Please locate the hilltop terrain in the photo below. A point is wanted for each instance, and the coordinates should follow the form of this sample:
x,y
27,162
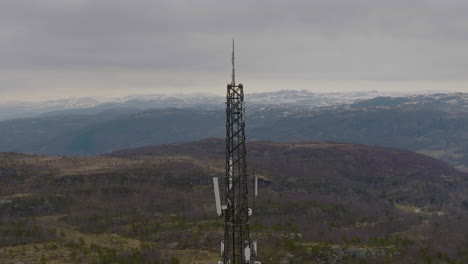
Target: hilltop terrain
x,y
320,202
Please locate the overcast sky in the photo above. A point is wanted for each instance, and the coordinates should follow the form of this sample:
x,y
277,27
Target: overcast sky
x,y
65,48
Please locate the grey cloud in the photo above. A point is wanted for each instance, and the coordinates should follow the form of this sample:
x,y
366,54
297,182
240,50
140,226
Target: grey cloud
x,y
323,39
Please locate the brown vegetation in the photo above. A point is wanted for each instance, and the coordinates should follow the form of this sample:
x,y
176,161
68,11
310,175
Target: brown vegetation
x,y
320,202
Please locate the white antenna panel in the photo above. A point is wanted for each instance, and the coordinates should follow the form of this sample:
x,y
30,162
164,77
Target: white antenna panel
x,y
256,186
247,254
217,197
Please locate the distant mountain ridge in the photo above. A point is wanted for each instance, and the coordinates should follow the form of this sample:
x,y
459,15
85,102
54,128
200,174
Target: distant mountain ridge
x,y
11,110
451,102
136,103
432,124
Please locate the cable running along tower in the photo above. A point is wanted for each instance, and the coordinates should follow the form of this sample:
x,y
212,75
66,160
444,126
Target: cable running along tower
x,y
237,246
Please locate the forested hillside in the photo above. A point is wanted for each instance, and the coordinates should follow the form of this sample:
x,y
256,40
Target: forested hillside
x,y
319,202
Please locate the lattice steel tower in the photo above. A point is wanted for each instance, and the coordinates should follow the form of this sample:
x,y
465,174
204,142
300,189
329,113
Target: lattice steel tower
x,y
237,246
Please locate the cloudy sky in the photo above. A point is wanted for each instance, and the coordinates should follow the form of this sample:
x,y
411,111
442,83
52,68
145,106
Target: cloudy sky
x,y
69,48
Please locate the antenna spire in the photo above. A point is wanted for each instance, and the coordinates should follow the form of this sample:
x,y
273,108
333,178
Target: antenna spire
x,y
233,68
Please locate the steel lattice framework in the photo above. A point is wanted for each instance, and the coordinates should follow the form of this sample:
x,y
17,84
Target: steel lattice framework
x,y
237,246
236,227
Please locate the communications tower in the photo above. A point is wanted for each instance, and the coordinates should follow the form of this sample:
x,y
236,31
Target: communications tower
x,y
237,247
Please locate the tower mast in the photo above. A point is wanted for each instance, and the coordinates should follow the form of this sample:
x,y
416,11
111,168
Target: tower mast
x,y
233,82
237,246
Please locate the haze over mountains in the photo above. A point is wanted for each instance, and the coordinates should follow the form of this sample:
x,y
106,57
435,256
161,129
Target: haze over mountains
x,y
432,124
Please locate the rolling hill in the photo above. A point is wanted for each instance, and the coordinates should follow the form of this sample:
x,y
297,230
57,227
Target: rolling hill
x,y
320,202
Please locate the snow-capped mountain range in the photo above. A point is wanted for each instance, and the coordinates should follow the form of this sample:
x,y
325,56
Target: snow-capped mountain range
x,y
284,98
432,123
